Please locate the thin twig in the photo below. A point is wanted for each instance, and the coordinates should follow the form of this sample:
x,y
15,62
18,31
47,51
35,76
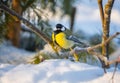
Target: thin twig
x,y
116,64
107,41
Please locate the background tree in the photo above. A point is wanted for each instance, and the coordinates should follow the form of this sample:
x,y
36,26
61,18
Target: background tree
x,y
13,24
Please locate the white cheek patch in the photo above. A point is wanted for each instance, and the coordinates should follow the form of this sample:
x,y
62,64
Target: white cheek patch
x,y
63,29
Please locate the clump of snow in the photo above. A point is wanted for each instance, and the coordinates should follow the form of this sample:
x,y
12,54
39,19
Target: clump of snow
x,y
56,71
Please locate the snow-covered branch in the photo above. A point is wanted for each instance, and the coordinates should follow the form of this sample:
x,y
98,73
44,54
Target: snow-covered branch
x,y
91,50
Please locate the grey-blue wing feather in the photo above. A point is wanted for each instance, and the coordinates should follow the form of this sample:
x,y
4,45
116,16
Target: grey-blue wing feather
x,y
76,40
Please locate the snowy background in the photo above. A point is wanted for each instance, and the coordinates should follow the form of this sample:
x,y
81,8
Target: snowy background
x,y
56,71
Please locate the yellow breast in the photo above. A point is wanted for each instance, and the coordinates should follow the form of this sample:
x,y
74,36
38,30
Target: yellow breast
x,y
62,41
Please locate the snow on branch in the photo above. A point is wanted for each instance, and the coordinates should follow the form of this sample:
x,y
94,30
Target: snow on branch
x,y
91,50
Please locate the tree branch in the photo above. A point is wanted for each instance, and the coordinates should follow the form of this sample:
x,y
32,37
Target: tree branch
x,y
91,50
107,41
31,26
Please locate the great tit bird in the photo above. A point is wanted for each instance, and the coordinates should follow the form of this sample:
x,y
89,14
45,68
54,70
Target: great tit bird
x,y
60,38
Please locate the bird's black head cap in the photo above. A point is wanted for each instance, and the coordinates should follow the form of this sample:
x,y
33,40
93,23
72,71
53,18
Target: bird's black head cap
x,y
59,26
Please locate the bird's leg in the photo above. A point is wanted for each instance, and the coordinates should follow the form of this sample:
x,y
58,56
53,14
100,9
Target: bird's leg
x,y
75,55
55,49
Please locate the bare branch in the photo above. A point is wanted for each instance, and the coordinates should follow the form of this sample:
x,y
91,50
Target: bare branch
x,y
107,41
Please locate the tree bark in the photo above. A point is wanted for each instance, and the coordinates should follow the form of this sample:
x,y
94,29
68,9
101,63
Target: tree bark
x,y
14,24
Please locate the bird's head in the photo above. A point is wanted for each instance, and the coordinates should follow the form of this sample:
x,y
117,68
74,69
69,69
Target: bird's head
x,y
60,27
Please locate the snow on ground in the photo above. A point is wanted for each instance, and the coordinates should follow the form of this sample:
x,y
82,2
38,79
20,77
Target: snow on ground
x,y
49,71
12,55
56,71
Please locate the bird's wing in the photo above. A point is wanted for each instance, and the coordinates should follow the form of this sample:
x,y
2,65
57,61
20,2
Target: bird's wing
x,y
73,38
76,40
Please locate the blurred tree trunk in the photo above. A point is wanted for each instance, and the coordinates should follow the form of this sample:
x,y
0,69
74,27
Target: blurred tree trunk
x,y
105,17
14,24
72,18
